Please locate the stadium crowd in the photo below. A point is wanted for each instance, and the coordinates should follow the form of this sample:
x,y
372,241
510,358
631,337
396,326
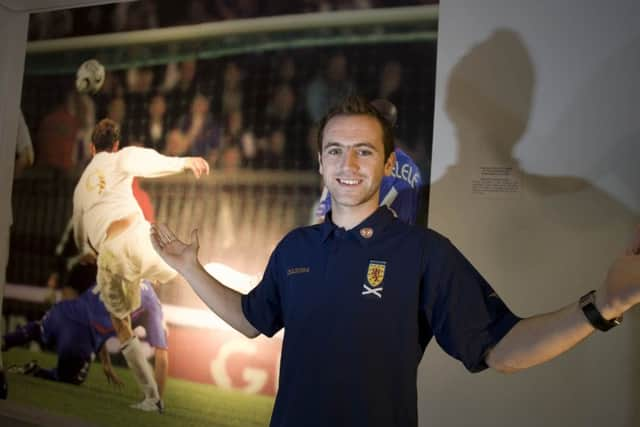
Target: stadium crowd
x,y
251,111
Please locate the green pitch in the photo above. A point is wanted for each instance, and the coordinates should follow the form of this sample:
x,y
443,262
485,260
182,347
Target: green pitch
x,y
98,403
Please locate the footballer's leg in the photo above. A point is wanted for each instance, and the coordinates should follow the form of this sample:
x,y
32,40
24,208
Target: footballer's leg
x,y
142,371
119,289
22,335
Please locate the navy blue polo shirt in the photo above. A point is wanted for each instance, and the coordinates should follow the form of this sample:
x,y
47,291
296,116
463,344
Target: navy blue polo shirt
x,y
359,307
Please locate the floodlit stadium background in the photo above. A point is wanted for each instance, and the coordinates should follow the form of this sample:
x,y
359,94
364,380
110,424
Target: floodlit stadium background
x,y
264,78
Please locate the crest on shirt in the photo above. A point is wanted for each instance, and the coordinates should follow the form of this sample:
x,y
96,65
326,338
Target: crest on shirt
x,y
96,181
375,273
375,276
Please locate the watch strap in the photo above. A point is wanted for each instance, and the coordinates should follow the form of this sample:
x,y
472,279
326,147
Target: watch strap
x,y
593,315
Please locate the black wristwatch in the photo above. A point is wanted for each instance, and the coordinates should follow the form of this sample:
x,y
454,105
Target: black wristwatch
x,y
588,306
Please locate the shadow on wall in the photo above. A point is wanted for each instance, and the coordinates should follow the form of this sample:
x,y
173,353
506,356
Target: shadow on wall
x,y
602,120
541,241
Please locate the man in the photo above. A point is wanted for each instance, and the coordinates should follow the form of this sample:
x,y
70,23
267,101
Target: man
x,y
402,191
108,220
362,294
77,329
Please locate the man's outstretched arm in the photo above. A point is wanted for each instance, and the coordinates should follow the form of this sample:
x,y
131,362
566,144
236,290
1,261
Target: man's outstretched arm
x,y
183,257
537,339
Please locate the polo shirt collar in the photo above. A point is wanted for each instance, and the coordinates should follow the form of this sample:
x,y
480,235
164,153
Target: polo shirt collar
x,y
366,231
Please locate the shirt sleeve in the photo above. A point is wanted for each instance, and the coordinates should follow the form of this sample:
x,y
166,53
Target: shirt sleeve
x,y
148,163
263,305
465,314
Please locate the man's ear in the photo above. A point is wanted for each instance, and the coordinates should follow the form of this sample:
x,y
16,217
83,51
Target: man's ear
x,y
92,149
320,163
390,164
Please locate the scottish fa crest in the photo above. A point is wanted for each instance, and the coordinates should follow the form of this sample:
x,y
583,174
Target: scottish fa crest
x,y
375,276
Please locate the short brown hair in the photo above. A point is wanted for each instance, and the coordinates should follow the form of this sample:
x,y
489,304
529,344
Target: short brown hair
x,y
105,134
354,105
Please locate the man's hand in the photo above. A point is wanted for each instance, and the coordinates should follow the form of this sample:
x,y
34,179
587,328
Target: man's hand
x,y
622,287
178,254
112,377
634,246
197,165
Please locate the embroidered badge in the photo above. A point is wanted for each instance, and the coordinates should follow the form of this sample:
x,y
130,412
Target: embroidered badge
x,y
96,181
366,232
375,276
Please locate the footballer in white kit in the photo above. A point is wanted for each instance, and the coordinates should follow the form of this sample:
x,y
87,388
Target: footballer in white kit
x,y
108,221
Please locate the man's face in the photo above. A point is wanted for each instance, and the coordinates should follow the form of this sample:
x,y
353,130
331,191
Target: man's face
x,y
352,161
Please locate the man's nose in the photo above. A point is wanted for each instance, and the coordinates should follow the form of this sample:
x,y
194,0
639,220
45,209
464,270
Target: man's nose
x,y
350,160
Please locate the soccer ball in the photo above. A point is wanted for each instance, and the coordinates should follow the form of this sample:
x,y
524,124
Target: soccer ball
x,y
90,76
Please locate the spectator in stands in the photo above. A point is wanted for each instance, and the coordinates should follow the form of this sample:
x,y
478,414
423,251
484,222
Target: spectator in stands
x,y
235,134
111,88
176,144
57,136
180,88
91,20
283,120
84,109
230,158
390,81
391,87
352,4
51,25
140,116
271,151
139,91
156,125
287,72
328,88
232,96
139,15
198,12
236,9
117,111
201,133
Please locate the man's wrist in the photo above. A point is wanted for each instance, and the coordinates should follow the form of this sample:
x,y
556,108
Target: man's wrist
x,y
608,309
600,314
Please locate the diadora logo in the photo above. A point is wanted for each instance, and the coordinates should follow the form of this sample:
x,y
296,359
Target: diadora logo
x,y
297,270
375,276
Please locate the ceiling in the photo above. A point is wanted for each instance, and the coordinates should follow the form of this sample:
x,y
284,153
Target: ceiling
x,y
46,5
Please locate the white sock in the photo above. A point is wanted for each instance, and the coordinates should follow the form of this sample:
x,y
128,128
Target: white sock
x,y
142,372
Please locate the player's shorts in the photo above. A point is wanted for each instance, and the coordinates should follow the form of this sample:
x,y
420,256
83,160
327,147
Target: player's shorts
x,y
122,262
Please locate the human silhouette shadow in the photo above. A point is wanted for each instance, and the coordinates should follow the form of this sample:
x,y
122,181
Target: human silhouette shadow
x,y
542,241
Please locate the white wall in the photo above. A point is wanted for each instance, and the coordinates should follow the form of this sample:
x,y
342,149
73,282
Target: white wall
x,y
547,92
13,39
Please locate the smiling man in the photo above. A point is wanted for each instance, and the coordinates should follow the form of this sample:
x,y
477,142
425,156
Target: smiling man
x,y
361,295
402,191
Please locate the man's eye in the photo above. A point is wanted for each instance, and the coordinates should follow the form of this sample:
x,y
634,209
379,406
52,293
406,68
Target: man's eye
x,y
333,151
365,152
